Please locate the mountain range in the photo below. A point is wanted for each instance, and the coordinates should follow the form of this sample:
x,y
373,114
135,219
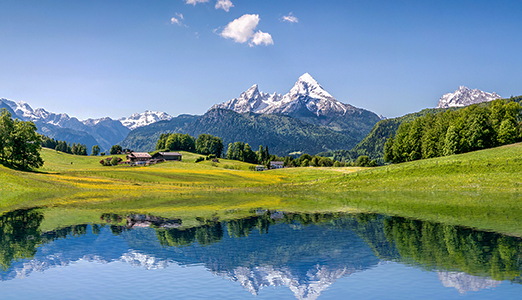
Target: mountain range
x,y
307,119
103,132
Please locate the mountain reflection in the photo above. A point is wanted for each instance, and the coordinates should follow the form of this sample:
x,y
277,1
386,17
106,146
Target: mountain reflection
x,y
305,252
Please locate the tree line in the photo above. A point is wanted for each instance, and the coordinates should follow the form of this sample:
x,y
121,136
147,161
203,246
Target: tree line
x,y
205,144
475,127
63,146
19,142
210,145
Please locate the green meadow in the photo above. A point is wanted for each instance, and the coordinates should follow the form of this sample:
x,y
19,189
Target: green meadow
x,y
480,189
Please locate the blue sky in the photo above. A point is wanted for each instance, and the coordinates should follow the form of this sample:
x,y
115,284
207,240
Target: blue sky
x,y
114,58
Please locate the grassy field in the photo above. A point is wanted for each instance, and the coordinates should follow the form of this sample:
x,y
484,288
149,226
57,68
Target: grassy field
x,y
480,189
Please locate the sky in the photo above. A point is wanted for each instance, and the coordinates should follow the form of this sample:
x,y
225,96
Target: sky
x,y
92,59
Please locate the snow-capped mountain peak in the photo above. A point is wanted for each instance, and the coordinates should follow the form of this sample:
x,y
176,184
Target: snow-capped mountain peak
x,y
307,85
306,95
148,117
464,96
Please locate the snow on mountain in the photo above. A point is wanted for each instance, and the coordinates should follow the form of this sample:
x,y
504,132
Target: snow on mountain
x,y
464,96
148,117
317,280
307,94
251,100
464,282
25,111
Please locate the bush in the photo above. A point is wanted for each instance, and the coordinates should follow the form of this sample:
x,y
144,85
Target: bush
x,y
199,159
364,161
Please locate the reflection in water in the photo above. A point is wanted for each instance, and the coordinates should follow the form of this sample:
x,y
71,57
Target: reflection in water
x,y
464,282
305,252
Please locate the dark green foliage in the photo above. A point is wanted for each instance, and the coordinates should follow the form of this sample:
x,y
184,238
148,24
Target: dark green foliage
x,y
439,246
364,161
110,161
19,236
176,142
63,146
20,145
114,161
116,149
451,141
472,128
78,149
95,150
208,144
373,144
243,152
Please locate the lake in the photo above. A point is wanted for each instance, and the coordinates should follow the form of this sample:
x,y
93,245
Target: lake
x,y
268,255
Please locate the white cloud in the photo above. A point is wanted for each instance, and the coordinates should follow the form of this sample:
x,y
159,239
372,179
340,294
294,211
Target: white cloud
x,y
241,30
194,2
224,4
177,20
290,18
261,38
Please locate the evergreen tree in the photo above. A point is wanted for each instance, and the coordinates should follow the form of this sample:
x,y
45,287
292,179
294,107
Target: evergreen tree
x,y
414,141
508,132
388,149
451,141
95,150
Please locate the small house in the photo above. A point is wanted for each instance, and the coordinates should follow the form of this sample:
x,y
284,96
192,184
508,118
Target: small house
x,y
277,164
135,157
168,156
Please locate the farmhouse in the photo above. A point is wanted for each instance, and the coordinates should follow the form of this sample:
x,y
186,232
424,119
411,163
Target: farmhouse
x,y
167,156
135,157
277,164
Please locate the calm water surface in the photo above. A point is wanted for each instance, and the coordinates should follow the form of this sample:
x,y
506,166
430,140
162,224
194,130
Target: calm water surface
x,y
271,255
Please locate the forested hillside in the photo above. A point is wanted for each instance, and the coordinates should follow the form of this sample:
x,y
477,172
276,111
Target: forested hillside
x,y
373,144
282,134
472,128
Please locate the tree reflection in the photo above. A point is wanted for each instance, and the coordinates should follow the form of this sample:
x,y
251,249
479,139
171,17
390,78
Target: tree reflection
x,y
19,236
453,248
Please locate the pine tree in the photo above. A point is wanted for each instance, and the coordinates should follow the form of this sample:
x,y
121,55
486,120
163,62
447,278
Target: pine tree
x,y
451,141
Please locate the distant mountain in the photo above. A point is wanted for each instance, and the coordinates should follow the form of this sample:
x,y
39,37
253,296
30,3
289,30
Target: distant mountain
x,y
307,101
104,132
464,96
145,138
148,117
282,134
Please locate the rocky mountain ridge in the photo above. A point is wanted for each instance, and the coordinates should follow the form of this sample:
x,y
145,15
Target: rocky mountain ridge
x,y
104,132
464,96
306,94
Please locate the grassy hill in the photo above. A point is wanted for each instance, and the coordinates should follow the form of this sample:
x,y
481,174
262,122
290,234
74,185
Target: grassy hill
x,y
481,189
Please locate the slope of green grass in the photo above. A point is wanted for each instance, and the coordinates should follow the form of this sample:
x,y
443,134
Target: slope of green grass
x,y
480,189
